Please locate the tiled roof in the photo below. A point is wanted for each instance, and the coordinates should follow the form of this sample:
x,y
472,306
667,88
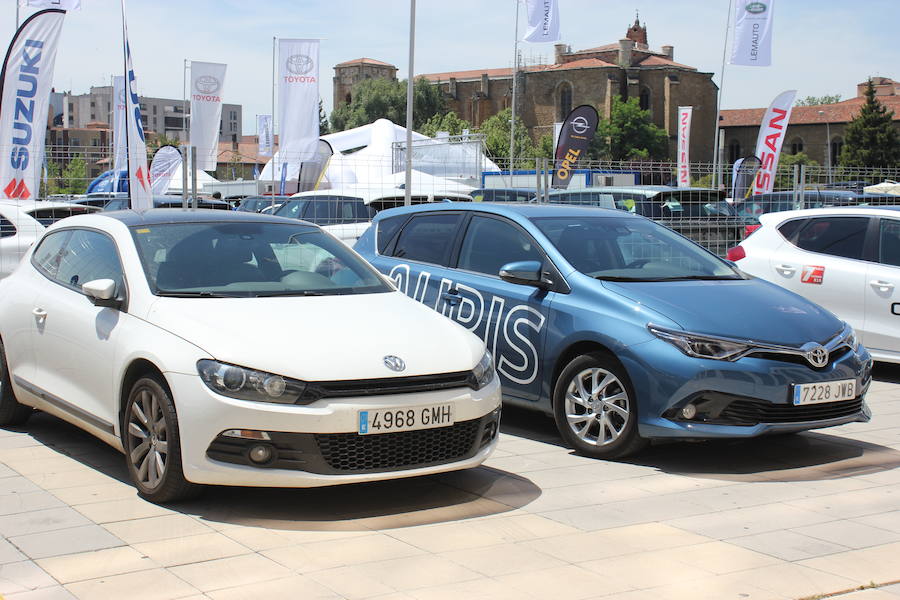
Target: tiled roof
x,y
660,61
840,112
365,61
581,63
473,74
247,152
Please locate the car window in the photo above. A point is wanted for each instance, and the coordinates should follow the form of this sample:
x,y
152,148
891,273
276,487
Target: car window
x,y
428,237
837,236
386,229
889,242
86,256
49,216
290,210
789,228
584,199
7,229
49,253
491,243
322,211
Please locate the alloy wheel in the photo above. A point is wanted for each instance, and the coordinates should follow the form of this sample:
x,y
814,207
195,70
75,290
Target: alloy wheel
x,y
148,439
597,406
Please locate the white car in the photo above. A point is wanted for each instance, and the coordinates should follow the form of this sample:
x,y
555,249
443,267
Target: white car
x,y
22,222
221,347
845,259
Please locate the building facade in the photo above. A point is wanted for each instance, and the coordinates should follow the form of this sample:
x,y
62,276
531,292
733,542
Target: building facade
x,y
349,73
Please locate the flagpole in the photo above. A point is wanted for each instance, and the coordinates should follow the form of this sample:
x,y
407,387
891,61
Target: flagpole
x,y
127,91
186,156
512,121
274,152
407,193
716,179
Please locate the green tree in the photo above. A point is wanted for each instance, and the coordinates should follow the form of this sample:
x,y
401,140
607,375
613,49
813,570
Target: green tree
x,y
785,177
158,141
52,184
386,99
628,134
496,139
870,139
74,178
449,122
545,147
323,120
817,100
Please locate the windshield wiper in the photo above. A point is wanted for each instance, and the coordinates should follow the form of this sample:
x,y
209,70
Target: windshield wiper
x,y
288,293
189,294
700,278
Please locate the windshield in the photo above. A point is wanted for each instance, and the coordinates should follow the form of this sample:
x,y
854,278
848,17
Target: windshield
x,y
250,259
630,249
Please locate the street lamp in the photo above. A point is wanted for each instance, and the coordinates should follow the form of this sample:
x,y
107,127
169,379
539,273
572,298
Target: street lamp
x,y
827,144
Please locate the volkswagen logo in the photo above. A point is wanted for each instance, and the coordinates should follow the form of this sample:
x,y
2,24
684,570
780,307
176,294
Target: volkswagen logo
x,y
817,356
207,84
299,64
579,125
394,363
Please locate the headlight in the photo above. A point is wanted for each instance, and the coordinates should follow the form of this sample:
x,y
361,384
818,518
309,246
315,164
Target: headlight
x,y
483,373
247,384
851,339
700,346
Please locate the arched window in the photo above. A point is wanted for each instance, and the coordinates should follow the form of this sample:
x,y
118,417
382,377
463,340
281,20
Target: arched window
x,y
644,99
734,151
347,98
565,101
837,144
796,146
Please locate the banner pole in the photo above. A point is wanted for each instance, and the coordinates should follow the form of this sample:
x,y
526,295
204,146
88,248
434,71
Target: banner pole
x,y
274,152
512,121
407,192
716,166
187,157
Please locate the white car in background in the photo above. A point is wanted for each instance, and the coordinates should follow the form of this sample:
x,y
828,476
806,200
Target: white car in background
x,y
232,348
22,222
845,259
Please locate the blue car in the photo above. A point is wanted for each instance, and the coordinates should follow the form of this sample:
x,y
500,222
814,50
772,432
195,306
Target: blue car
x,y
622,329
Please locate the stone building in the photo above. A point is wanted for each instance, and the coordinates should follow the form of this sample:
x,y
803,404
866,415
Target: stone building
x,y
817,131
349,73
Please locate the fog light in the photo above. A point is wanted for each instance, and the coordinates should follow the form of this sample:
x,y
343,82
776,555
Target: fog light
x,y
260,453
247,434
689,411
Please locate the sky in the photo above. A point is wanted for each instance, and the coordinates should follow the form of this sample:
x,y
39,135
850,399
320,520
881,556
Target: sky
x,y
820,46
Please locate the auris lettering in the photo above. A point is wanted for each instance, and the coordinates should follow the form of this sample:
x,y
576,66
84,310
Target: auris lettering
x,y
23,116
568,161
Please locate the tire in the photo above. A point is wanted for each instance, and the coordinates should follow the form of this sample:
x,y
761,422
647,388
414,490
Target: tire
x,y
11,411
152,443
598,420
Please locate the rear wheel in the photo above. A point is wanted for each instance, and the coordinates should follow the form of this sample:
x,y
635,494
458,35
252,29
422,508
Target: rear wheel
x,y
11,411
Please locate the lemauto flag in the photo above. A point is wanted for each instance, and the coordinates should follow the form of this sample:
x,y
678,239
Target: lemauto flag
x,y
138,175
62,4
298,99
207,82
25,83
770,139
751,44
543,21
121,149
266,137
684,145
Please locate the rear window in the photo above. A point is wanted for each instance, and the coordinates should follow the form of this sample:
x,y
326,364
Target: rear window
x,y
7,229
49,216
428,238
584,199
386,230
836,236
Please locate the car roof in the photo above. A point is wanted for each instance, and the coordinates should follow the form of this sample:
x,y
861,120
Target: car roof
x,y
35,204
647,190
159,216
528,210
372,194
777,217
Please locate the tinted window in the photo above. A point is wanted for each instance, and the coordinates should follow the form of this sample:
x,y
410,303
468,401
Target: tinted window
x,y
427,238
322,211
837,236
49,253
49,216
889,242
789,228
7,229
491,243
584,199
88,255
290,210
386,230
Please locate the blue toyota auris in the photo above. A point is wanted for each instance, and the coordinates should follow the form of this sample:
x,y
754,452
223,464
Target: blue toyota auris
x,y
620,328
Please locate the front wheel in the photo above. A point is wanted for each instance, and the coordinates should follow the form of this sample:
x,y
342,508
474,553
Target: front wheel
x,y
595,408
11,411
152,443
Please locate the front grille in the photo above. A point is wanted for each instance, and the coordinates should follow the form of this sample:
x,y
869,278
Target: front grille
x,y
797,359
752,412
316,390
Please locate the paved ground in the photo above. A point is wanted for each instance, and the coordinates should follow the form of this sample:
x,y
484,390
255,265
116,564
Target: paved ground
x,y
800,516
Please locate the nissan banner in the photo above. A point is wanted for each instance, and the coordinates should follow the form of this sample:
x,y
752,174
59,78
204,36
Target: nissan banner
x,y
166,162
543,21
751,38
770,139
684,145
298,99
118,106
265,135
574,138
26,82
207,82
138,176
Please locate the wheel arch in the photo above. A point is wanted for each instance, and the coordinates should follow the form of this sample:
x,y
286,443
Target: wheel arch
x,y
138,368
577,349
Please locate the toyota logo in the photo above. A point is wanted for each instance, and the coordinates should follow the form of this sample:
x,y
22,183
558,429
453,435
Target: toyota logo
x,y
207,84
299,64
817,356
122,95
394,363
579,125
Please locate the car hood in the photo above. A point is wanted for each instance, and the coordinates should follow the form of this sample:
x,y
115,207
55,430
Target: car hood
x,y
750,309
322,338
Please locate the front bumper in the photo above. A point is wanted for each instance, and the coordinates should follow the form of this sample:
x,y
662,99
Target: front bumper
x,y
317,444
751,396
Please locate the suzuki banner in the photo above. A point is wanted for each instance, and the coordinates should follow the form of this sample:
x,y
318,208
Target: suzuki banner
x,y
543,21
138,176
770,139
118,106
25,82
298,99
684,145
751,38
574,138
265,135
207,83
166,162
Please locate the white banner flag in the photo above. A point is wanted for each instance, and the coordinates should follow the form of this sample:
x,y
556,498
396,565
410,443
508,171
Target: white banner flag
x,y
207,83
770,139
298,99
166,162
138,176
543,21
120,160
684,145
27,78
751,41
60,4
265,135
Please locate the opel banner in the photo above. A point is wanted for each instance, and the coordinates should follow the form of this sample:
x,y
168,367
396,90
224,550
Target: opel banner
x,y
265,135
119,137
207,82
26,81
684,145
770,139
751,44
166,162
574,138
543,21
298,99
138,176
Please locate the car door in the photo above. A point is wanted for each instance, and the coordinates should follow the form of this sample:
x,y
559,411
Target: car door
x,y
75,341
823,261
881,332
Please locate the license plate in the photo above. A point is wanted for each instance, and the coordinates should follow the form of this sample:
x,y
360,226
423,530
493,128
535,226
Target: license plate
x,y
829,391
391,420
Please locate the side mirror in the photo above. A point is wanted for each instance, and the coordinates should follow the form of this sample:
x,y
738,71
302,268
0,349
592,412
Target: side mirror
x,y
525,272
102,292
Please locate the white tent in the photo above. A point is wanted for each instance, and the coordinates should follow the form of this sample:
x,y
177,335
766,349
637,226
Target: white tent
x,y
175,183
885,187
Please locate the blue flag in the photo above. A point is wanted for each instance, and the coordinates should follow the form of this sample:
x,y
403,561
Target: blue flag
x,y
255,171
283,178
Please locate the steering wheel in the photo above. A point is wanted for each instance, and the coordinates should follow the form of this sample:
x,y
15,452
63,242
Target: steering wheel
x,y
637,263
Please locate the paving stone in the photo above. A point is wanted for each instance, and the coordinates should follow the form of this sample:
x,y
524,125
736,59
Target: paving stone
x,y
37,521
23,576
65,541
97,564
152,584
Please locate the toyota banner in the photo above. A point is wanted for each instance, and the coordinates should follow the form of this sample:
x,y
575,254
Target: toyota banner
x,y
207,82
298,99
574,138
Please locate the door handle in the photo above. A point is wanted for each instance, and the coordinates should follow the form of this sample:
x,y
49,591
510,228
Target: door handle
x,y
40,313
882,285
785,269
451,297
